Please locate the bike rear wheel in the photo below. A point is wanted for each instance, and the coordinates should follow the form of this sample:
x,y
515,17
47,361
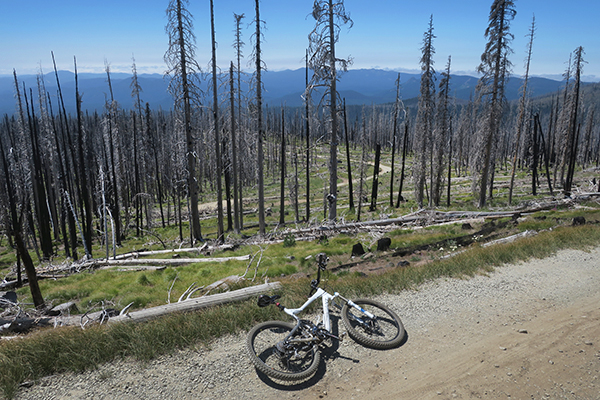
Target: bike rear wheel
x,y
385,331
278,357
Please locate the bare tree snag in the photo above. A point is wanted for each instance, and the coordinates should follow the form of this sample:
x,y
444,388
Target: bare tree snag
x,y
349,165
329,17
375,187
404,146
259,118
180,58
215,110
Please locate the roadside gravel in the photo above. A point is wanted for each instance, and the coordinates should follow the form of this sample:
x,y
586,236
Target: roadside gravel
x,y
529,330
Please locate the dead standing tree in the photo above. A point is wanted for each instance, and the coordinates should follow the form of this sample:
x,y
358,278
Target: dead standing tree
x,y
307,104
329,17
398,107
15,226
574,125
183,71
220,230
522,110
495,70
36,183
83,155
234,161
138,148
112,133
238,44
283,171
70,173
425,118
257,79
442,136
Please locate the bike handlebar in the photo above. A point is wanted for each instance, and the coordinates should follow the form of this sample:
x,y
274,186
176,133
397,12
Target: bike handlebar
x,y
322,260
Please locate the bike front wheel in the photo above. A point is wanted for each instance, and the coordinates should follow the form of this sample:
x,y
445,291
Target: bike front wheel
x,y
279,356
384,331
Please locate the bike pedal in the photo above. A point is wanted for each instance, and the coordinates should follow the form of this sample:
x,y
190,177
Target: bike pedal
x,y
342,336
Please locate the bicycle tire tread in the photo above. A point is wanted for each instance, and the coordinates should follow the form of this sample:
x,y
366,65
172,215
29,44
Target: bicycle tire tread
x,y
366,341
267,370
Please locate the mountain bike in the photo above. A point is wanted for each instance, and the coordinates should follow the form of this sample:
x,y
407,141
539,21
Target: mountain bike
x,y
291,351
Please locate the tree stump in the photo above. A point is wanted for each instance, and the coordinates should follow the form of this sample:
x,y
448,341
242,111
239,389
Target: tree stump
x,y
384,244
358,250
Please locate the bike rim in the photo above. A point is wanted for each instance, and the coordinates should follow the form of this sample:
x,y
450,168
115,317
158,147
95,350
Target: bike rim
x,y
271,351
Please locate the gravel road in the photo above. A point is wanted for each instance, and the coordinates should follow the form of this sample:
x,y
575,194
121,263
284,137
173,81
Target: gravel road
x,y
525,331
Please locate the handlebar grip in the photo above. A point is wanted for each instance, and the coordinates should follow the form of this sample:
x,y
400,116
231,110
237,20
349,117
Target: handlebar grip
x,y
322,260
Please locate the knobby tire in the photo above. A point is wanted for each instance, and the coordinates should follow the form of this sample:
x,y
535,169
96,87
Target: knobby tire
x,y
297,365
385,332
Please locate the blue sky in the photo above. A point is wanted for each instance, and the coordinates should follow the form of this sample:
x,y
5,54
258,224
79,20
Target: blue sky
x,y
386,34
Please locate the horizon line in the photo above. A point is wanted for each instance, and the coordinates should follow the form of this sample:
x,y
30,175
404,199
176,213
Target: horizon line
x,y
554,77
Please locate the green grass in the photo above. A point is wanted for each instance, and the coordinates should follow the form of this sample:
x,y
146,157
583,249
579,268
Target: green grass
x,y
110,288
53,351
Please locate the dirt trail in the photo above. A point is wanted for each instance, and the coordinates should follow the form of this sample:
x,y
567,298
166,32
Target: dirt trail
x,y
541,343
212,205
525,331
557,358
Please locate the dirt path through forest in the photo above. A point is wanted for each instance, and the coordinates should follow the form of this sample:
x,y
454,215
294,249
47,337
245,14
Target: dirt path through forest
x,y
212,205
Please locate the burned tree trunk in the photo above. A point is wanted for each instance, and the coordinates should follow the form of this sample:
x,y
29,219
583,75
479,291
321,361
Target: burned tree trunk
x,y
375,178
534,163
546,153
85,200
282,166
16,231
404,145
350,188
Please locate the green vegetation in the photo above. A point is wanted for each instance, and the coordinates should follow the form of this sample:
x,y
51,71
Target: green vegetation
x,y
52,351
57,350
113,288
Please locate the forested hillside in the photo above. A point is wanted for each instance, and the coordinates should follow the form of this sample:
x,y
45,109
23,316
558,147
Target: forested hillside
x,y
366,86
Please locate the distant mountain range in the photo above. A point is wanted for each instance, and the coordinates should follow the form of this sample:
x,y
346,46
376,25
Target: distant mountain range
x,y
361,86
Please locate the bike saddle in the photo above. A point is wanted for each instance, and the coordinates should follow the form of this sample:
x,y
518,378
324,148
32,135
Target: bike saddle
x,y
265,300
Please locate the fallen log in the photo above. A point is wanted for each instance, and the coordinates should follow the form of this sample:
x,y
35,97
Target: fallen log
x,y
461,241
11,284
23,324
52,276
147,314
510,239
134,268
174,251
225,281
167,261
195,303
433,216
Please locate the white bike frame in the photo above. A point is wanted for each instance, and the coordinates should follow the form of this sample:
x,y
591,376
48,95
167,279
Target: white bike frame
x,y
293,312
